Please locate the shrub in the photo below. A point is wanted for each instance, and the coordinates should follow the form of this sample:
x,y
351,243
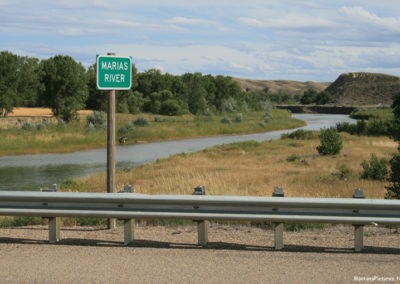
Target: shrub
x,y
267,115
239,118
300,134
294,158
96,120
346,127
344,172
331,142
263,124
27,126
170,107
41,126
226,120
141,121
61,123
375,169
393,190
124,130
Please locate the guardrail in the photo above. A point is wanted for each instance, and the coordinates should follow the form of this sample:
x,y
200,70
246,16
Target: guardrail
x,y
201,208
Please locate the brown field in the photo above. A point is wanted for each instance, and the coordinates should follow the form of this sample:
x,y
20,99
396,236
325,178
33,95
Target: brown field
x,y
43,112
233,170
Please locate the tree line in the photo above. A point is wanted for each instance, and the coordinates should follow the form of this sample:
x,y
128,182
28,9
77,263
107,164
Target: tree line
x,y
66,86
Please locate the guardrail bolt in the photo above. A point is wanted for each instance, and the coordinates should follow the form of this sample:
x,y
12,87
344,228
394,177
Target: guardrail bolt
x,y
278,192
358,193
199,190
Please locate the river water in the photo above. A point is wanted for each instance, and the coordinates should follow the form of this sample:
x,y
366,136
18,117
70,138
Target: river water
x,y
30,172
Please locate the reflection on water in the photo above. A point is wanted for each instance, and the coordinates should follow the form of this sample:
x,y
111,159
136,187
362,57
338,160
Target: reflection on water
x,y
30,172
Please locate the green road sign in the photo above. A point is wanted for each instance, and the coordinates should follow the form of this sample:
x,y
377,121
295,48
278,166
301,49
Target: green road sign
x,y
113,72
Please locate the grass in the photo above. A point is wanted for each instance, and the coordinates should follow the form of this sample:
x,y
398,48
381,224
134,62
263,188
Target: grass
x,y
378,113
76,136
253,168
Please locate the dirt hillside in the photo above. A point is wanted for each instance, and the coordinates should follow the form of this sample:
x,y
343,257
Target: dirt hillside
x,y
276,86
362,88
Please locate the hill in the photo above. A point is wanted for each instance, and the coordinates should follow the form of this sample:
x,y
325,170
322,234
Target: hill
x,y
361,88
276,86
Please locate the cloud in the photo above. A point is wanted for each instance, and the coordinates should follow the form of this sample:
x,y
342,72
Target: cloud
x,y
288,39
189,21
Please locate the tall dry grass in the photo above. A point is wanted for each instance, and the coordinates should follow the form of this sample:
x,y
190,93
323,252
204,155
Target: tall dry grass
x,y
252,168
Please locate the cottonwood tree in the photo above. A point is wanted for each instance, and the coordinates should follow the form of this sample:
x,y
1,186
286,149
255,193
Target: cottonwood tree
x,y
65,89
393,189
19,81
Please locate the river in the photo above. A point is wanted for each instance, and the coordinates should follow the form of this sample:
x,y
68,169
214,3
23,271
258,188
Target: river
x,y
30,172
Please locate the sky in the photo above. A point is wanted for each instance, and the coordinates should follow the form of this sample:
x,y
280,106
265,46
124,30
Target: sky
x,y
256,39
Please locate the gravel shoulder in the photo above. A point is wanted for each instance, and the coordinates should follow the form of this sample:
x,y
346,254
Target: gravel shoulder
x,y
163,254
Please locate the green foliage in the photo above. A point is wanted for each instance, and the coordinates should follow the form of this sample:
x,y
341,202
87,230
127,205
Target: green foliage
x,y
293,158
345,172
65,89
263,124
97,119
226,120
331,142
396,120
239,118
309,97
378,113
170,107
393,189
27,125
19,81
313,97
128,127
245,145
21,221
91,222
295,227
141,121
375,168
300,134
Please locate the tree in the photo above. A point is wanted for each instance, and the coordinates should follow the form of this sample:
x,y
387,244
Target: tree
x,y
8,82
396,120
393,190
309,97
65,85
196,92
331,142
97,99
323,98
28,82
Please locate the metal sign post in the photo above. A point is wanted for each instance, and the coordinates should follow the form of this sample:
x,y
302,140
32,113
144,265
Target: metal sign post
x,y
113,73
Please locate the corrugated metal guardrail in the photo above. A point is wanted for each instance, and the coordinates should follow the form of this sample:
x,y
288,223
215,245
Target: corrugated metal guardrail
x,y
130,206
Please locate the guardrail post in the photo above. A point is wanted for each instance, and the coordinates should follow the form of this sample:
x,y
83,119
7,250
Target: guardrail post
x,y
129,231
54,229
358,229
54,222
278,226
129,224
202,225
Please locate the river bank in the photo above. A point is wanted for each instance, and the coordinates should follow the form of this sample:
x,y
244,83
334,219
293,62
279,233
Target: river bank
x,y
30,172
44,137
